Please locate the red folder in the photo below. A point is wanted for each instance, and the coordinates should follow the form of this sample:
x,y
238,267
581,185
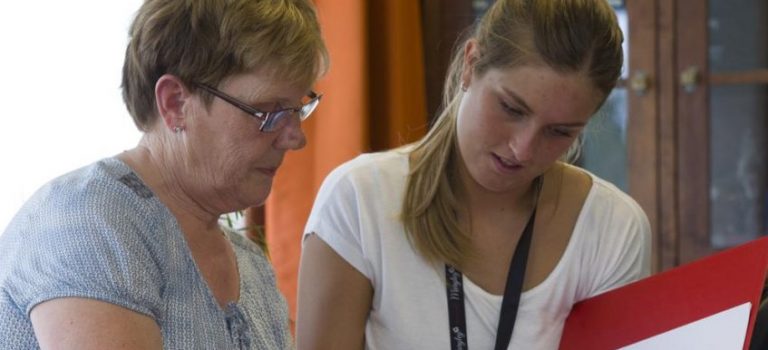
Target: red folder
x,y
670,299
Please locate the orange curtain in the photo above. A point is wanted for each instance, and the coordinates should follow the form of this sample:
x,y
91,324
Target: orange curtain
x,y
374,99
398,112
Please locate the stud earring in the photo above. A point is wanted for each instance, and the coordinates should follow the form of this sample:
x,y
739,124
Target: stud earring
x,y
464,87
177,129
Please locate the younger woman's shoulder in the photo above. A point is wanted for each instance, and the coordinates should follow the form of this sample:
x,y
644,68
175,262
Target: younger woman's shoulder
x,y
606,195
611,215
372,167
375,161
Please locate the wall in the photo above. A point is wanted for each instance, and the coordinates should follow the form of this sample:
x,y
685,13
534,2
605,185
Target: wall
x,y
60,103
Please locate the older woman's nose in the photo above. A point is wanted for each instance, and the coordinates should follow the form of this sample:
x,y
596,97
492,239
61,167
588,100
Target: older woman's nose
x,y
291,136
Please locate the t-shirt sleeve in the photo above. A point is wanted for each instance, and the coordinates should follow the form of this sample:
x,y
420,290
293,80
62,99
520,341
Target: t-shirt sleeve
x,y
623,248
335,218
86,247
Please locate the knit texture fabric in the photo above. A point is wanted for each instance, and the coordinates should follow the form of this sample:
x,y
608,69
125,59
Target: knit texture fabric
x,y
100,233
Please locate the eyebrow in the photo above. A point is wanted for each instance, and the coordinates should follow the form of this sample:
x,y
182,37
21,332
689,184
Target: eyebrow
x,y
519,100
267,101
256,97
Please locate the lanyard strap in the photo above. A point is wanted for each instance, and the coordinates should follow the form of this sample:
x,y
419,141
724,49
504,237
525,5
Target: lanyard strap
x,y
509,304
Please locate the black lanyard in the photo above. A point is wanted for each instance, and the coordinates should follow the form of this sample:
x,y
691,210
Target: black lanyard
x,y
455,291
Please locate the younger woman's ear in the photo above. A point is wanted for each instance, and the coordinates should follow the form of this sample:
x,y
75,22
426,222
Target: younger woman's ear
x,y
470,58
170,96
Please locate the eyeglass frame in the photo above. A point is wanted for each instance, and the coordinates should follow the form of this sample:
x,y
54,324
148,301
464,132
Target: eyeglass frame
x,y
265,117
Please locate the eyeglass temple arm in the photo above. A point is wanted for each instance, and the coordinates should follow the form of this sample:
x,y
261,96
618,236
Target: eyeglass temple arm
x,y
231,100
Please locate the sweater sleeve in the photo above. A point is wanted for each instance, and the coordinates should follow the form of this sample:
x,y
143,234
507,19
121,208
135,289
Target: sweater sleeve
x,y
87,242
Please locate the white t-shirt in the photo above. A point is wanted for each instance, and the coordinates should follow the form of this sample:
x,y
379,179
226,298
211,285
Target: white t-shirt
x,y
357,214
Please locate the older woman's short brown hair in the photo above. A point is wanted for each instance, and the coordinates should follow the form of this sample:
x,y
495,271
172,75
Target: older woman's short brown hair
x,y
205,41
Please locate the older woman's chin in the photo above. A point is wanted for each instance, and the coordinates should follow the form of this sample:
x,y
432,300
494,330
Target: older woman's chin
x,y
257,196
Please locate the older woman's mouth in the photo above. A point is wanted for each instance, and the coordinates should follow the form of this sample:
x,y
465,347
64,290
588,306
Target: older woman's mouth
x,y
267,171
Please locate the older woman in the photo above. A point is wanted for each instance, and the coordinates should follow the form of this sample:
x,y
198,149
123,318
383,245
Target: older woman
x,y
128,252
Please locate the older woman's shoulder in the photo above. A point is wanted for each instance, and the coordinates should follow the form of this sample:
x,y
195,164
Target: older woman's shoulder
x,y
107,189
103,205
85,234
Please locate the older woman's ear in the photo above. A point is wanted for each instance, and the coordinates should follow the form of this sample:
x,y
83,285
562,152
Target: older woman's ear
x,y
170,96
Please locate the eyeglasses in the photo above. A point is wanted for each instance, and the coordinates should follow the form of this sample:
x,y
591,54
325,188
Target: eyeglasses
x,y
270,121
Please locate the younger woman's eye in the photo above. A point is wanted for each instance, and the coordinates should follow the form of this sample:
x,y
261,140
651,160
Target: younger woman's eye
x,y
562,132
516,112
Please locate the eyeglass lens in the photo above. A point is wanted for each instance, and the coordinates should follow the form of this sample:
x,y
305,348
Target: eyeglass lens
x,y
279,119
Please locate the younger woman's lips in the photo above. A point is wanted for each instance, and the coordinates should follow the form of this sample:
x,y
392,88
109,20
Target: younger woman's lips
x,y
504,166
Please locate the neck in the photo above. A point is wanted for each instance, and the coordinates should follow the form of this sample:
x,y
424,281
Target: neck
x,y
519,198
160,171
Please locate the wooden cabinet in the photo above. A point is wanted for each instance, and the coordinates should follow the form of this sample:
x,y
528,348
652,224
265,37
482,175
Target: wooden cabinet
x,y
697,149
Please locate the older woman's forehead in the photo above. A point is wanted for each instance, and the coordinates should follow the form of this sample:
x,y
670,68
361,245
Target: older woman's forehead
x,y
262,86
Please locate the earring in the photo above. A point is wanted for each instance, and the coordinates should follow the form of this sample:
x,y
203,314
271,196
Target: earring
x,y
463,87
177,129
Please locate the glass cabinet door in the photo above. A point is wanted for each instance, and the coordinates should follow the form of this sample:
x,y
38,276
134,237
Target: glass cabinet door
x,y
726,103
686,131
